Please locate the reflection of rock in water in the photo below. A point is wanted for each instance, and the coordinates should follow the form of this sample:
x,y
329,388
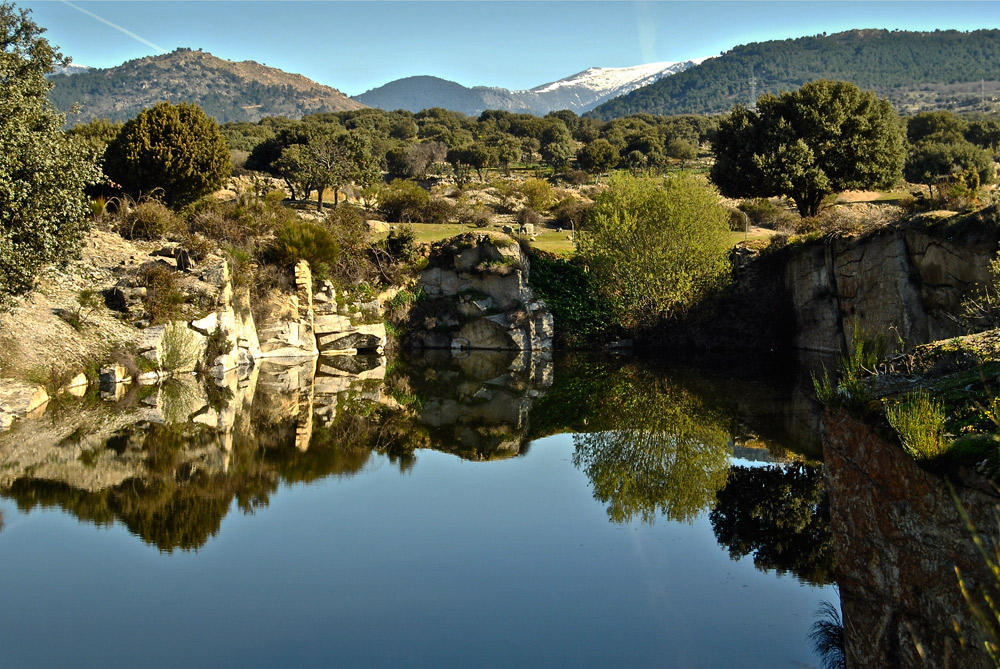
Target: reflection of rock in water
x,y
476,403
898,537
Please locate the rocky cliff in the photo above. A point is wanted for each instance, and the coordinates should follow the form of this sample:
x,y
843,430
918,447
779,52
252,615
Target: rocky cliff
x,y
907,284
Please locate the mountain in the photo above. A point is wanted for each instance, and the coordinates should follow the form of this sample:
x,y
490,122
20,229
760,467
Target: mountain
x,y
226,90
916,71
579,92
71,69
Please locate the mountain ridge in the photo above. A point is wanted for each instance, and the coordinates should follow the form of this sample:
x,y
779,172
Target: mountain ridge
x,y
226,90
578,92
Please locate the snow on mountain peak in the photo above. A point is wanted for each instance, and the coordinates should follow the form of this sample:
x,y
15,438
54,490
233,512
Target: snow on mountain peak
x,y
617,78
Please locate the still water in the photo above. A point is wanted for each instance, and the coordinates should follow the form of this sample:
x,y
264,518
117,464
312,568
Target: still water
x,y
489,510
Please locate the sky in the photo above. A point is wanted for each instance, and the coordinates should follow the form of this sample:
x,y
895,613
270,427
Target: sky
x,y
356,46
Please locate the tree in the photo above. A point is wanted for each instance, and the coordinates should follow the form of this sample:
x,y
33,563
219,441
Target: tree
x,y
598,156
824,138
681,150
173,148
656,249
557,146
930,163
508,150
43,172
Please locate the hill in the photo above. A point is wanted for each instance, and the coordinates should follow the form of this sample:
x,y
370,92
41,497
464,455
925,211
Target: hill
x,y
580,92
226,90
916,71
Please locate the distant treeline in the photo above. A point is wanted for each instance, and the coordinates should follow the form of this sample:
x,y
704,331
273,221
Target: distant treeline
x,y
891,63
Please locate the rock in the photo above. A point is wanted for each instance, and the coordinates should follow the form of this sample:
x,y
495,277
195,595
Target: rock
x,y
113,375
77,386
206,325
19,399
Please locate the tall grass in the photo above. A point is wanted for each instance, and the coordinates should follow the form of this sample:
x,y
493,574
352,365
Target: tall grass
x,y
919,422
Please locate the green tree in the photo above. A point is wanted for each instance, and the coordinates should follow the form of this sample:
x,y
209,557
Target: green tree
x,y
508,150
930,163
681,150
656,249
173,148
824,138
598,156
43,172
556,146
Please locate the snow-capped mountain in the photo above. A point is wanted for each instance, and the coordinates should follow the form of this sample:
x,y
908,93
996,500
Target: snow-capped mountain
x,y
583,91
72,68
580,92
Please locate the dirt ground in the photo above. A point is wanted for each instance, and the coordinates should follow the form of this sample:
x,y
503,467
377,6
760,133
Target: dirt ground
x,y
38,345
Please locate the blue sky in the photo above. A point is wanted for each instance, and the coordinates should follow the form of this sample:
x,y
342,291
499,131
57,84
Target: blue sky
x,y
355,46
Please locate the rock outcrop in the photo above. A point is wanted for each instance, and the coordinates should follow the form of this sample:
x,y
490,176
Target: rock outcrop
x,y
903,281
479,298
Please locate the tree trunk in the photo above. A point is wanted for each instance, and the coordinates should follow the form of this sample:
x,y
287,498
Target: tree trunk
x,y
319,199
336,197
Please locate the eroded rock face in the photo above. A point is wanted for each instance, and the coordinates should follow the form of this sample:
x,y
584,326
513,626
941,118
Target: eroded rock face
x,y
479,298
906,284
19,399
898,536
292,337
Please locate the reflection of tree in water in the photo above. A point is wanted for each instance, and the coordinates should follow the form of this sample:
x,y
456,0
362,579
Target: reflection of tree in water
x,y
658,450
781,515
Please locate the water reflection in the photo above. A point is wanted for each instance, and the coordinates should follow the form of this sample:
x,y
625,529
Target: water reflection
x,y
170,462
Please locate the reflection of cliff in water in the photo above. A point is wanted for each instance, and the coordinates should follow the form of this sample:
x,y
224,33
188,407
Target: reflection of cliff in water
x,y
169,461
899,537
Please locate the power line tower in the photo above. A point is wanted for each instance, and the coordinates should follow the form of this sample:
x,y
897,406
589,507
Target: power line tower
x,y
753,92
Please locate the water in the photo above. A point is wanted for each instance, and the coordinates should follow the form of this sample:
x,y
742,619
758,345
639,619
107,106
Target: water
x,y
576,528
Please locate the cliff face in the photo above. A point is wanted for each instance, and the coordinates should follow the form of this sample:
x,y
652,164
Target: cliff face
x,y
899,536
905,284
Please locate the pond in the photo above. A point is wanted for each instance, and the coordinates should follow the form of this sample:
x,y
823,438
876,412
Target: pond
x,y
486,509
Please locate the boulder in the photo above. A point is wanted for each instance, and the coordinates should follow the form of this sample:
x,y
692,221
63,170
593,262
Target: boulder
x,y
19,399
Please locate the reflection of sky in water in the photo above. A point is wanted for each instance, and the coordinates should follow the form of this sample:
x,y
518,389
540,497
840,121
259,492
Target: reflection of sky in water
x,y
454,563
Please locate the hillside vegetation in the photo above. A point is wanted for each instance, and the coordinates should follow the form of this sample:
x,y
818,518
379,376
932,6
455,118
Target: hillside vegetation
x,y
226,90
916,71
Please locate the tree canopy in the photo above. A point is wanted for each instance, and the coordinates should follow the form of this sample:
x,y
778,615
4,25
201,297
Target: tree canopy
x,y
656,249
43,172
824,138
175,149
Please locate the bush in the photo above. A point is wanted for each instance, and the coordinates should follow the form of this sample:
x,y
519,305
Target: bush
x,y
475,216
571,213
438,210
175,149
163,298
529,217
919,422
347,224
538,194
302,240
575,177
149,220
403,201
656,249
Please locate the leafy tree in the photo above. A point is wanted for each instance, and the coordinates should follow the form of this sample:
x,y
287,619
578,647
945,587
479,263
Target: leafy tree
x,y
931,162
556,146
175,149
824,138
985,134
936,126
656,249
507,149
479,156
597,157
681,150
43,172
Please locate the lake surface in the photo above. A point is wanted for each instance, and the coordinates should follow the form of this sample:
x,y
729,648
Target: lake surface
x,y
491,510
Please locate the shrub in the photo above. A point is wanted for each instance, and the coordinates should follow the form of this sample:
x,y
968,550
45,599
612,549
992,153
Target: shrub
x,y
575,177
163,298
179,348
475,216
438,210
919,422
537,194
401,244
403,201
656,249
347,224
861,361
761,211
529,217
571,213
302,240
149,220
175,149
